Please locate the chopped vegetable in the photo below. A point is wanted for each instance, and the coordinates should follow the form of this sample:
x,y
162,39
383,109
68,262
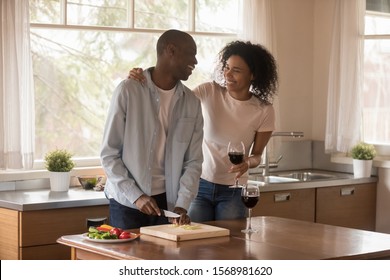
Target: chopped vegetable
x,y
106,226
100,233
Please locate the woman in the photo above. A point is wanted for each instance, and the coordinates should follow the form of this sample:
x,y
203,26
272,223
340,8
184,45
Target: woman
x,y
237,106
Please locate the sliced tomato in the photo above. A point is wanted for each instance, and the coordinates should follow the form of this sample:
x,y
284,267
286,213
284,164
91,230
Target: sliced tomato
x,y
116,231
125,235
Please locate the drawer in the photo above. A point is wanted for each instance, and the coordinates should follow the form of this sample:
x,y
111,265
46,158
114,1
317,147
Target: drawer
x,y
46,252
351,206
293,204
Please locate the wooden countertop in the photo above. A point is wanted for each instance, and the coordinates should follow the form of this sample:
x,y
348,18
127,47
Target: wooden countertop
x,y
277,239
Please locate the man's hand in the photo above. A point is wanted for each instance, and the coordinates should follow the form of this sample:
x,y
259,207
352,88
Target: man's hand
x,y
147,205
184,218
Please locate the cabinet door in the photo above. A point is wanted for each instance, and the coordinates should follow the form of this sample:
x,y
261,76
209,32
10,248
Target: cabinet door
x,y
9,242
293,204
44,227
351,206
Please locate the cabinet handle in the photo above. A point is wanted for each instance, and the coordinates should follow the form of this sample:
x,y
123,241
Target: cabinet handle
x,y
280,197
347,191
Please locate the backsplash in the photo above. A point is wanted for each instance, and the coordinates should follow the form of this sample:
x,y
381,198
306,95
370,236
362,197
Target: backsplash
x,y
304,154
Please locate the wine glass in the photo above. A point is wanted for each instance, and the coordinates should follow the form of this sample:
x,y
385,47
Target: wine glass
x,y
236,151
250,195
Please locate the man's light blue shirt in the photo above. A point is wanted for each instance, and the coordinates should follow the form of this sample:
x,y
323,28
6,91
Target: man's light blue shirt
x,y
129,142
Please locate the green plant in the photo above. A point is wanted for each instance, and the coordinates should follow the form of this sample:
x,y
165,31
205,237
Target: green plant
x,y
363,151
59,161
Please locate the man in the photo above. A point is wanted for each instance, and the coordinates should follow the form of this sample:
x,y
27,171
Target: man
x,y
152,143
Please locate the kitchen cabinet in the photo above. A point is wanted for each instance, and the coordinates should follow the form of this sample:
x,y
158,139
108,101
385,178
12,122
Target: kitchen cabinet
x,y
294,204
352,206
33,234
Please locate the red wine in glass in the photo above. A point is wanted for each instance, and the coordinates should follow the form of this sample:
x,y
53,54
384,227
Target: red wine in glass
x,y
236,151
236,157
250,201
250,195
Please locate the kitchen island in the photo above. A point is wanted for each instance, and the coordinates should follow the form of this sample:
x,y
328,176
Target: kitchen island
x,y
34,219
277,239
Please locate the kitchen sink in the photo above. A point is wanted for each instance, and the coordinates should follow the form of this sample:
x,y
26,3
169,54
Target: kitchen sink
x,y
294,177
308,176
255,179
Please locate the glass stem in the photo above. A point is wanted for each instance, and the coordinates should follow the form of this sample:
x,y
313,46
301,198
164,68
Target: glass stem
x,y
250,219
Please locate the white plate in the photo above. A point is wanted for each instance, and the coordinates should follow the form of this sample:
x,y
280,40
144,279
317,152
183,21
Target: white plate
x,y
133,236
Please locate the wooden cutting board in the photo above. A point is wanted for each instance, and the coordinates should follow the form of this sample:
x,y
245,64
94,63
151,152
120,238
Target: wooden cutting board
x,y
180,233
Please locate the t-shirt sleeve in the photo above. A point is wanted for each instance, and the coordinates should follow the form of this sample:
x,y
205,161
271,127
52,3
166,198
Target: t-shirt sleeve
x,y
268,123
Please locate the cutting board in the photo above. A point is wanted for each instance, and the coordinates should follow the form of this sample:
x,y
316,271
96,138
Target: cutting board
x,y
180,233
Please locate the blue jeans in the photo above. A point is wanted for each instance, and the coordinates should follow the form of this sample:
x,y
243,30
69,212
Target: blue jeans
x,y
128,218
216,202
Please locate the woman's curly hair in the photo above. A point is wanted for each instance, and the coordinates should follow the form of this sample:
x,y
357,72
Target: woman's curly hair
x,y
261,63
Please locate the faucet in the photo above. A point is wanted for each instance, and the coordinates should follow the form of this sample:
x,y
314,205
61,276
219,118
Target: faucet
x,y
265,163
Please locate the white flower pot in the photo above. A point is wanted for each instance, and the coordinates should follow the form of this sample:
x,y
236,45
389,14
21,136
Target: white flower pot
x,y
362,168
59,181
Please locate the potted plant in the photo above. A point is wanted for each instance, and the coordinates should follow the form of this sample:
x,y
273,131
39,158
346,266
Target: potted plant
x,y
59,162
362,154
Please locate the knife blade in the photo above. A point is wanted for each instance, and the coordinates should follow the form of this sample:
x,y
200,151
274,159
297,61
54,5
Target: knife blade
x,y
169,214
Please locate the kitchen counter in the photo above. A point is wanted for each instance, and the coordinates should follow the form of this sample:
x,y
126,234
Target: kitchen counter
x,y
277,239
340,179
42,199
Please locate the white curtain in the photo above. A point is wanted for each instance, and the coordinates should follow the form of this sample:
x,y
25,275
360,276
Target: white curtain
x,y
345,76
258,27
16,87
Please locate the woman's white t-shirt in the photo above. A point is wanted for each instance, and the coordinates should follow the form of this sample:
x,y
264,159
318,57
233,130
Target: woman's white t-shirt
x,y
227,119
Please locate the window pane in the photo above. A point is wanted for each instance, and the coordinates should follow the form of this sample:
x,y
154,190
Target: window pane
x,y
163,14
221,16
378,5
75,73
45,11
98,12
376,112
377,24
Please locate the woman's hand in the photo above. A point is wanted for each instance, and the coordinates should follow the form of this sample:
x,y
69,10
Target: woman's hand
x,y
136,74
240,169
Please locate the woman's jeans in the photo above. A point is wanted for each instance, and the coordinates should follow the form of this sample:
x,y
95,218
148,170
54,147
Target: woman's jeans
x,y
216,202
128,218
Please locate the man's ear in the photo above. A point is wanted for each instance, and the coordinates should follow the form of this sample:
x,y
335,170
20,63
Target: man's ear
x,y
170,49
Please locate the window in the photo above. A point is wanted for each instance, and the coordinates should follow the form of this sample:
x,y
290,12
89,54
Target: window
x,y
376,98
81,49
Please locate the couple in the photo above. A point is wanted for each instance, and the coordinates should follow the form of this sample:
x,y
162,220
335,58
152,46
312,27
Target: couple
x,y
155,137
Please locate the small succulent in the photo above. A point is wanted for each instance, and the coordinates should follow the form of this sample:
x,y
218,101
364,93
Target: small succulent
x,y
59,161
363,151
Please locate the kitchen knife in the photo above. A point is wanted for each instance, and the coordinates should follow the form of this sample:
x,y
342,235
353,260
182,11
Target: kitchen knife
x,y
169,214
